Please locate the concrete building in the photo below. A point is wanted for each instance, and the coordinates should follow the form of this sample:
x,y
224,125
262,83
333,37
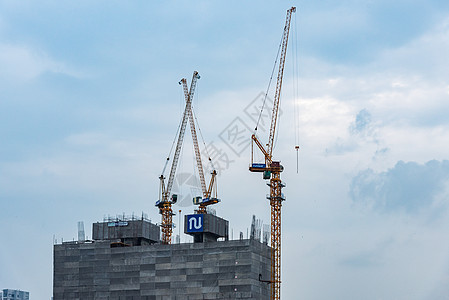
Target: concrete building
x,y
115,265
9,294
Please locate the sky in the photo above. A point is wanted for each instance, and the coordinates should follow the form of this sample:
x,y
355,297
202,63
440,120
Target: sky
x,y
90,105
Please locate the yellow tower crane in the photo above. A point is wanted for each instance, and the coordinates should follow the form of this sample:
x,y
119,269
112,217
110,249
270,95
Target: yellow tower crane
x,y
272,170
165,202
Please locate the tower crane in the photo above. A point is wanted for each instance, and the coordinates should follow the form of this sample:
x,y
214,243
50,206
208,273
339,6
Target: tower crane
x,y
272,171
165,202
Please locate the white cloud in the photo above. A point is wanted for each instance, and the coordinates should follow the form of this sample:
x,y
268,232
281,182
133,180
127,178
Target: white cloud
x,y
22,63
407,187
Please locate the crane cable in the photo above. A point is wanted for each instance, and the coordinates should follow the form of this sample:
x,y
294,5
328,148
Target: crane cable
x,y
199,130
172,146
202,139
296,91
269,84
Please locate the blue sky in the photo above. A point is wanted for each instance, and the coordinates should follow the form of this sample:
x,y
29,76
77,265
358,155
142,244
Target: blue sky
x,y
90,103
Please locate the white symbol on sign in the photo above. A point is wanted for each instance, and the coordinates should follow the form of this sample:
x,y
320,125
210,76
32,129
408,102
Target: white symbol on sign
x,y
193,223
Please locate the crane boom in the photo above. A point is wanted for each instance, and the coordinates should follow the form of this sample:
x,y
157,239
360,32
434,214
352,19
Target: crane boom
x,y
272,170
185,116
207,191
277,94
189,95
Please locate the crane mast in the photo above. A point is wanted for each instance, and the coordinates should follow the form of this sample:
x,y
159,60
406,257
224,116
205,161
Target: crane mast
x,y
164,203
272,170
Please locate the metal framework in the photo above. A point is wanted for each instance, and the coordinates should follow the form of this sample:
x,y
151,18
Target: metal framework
x,y
272,170
164,203
207,191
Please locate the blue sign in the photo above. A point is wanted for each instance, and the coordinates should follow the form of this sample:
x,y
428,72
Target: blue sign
x,y
259,166
195,223
117,224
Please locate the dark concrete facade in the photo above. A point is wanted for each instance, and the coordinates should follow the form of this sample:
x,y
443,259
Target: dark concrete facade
x,y
215,270
128,232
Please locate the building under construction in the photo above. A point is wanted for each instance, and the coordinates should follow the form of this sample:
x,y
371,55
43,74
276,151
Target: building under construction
x,y
135,259
125,260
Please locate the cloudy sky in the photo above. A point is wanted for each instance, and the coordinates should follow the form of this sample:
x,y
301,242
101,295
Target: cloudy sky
x,y
90,104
